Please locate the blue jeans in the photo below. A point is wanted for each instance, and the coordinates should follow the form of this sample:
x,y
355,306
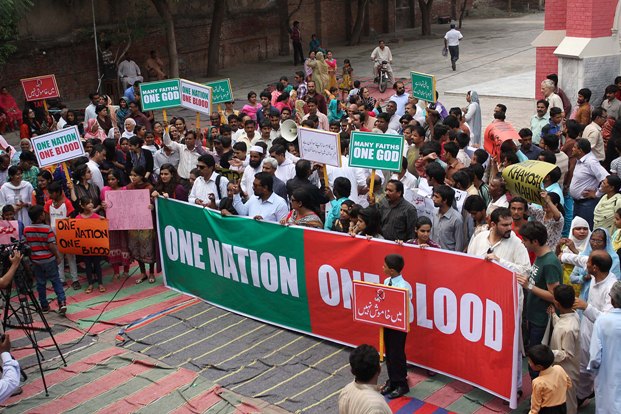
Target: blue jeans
x,y
535,336
44,272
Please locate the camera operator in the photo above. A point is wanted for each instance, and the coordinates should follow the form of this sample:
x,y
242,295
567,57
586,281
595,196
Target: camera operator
x,y
9,383
7,278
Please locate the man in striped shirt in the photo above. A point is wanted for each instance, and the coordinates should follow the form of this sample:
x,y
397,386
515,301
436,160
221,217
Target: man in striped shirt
x,y
45,258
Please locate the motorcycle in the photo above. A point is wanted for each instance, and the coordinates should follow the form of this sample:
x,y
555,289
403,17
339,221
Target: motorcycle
x,y
382,76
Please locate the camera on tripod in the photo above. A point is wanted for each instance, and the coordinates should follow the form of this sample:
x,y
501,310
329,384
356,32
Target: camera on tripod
x,y
23,277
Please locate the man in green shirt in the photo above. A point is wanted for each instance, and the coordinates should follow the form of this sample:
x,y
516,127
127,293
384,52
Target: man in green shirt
x,y
545,274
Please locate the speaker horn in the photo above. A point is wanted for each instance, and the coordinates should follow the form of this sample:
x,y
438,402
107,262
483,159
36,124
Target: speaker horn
x,y
289,130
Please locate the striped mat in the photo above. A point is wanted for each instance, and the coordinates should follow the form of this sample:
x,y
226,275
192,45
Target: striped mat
x,y
292,371
107,379
123,302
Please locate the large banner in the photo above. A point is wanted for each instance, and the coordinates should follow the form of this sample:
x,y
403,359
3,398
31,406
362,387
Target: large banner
x,y
464,307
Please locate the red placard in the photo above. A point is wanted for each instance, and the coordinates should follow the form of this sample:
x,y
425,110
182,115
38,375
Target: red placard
x,y
40,87
381,305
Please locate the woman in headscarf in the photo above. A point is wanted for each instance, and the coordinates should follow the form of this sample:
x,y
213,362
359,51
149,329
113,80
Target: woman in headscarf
x,y
308,70
129,126
472,114
122,112
94,131
604,213
599,240
72,120
320,72
24,145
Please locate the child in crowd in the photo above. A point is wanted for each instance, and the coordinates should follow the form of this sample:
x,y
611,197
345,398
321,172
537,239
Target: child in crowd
x,y
92,263
550,387
58,207
44,258
346,83
8,212
565,340
397,384
356,90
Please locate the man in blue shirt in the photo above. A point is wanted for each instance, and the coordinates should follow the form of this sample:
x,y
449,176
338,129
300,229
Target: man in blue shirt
x,y
397,384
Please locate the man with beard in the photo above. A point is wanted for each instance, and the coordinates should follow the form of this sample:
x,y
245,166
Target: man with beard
x,y
320,101
391,110
501,244
279,187
253,168
400,97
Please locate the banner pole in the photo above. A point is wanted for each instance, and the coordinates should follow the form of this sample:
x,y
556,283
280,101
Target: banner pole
x,y
164,115
325,176
45,106
66,170
198,120
381,344
372,183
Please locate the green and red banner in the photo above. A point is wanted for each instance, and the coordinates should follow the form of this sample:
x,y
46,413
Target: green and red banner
x,y
465,308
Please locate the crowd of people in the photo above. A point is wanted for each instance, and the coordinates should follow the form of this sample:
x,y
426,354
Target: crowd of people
x,y
449,193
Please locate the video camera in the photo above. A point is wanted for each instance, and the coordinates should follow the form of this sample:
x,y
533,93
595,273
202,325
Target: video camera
x,y
23,277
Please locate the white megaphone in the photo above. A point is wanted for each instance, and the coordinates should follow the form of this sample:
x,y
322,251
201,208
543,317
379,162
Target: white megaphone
x,y
289,130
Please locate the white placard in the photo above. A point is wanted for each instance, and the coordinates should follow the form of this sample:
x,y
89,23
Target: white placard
x,y
195,96
318,146
58,146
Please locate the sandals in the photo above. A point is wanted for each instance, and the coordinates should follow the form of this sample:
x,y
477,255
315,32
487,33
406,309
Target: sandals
x,y
102,288
142,279
116,276
151,278
89,289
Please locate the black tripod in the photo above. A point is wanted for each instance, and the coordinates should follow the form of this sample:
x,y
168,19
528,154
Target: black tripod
x,y
19,310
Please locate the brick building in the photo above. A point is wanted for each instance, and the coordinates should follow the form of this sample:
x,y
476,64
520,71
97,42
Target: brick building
x,y
57,37
581,43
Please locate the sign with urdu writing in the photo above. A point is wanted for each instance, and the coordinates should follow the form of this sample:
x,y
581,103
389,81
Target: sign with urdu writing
x,y
423,86
222,91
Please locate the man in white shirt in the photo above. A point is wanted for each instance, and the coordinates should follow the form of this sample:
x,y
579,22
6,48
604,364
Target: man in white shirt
x,y
256,155
547,89
393,122
89,112
97,156
129,72
593,132
380,54
264,204
286,167
210,187
451,41
188,153
598,302
585,181
400,97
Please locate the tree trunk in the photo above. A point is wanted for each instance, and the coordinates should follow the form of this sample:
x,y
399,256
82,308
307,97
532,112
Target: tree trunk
x,y
425,14
283,17
412,7
213,53
348,28
173,60
357,30
453,10
462,12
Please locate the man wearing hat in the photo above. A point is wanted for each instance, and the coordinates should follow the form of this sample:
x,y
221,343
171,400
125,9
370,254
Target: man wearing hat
x,y
451,41
254,167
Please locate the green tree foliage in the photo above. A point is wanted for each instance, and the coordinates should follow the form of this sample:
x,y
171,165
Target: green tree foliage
x,y
11,11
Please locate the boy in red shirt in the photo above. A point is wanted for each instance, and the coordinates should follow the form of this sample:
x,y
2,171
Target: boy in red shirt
x,y
45,258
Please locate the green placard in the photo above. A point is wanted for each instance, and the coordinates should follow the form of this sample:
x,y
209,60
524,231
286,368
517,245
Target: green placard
x,y
221,90
160,94
423,86
378,151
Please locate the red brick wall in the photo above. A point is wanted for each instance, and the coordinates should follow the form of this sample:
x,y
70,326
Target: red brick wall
x,y
590,18
547,63
555,15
